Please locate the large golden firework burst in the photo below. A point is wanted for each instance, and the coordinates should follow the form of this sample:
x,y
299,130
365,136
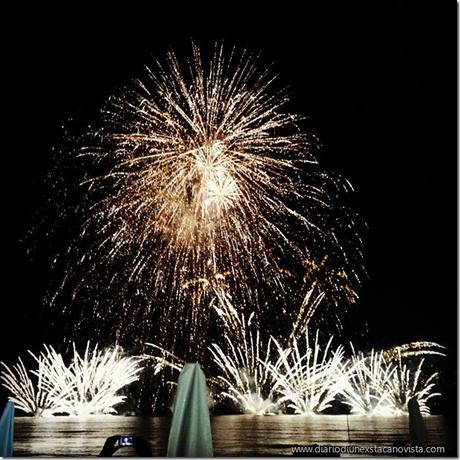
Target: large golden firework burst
x,y
205,183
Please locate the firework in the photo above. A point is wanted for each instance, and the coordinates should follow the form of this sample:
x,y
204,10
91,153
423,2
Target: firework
x,y
242,378
366,389
244,374
96,378
413,349
303,376
17,380
197,175
378,385
89,385
405,384
163,359
307,382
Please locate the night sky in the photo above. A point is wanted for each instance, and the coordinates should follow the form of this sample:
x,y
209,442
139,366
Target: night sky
x,y
378,84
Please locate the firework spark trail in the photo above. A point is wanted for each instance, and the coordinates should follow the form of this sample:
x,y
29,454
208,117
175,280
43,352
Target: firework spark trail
x,y
405,384
304,376
307,309
89,385
244,376
244,370
25,397
163,359
308,381
200,171
411,349
366,390
260,377
247,374
95,379
380,385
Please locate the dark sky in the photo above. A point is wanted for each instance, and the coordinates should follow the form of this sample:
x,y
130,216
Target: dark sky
x,y
378,83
